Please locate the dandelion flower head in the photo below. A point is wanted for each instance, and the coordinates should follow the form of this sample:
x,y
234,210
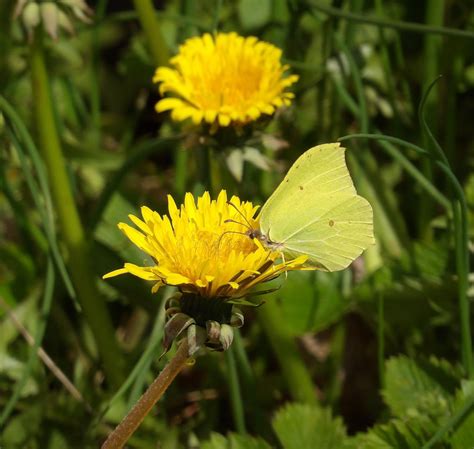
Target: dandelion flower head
x,y
224,80
203,247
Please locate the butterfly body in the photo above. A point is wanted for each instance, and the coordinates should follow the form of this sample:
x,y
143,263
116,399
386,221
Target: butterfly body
x,y
265,239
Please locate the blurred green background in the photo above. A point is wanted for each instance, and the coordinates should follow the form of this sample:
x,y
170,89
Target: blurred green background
x,y
377,356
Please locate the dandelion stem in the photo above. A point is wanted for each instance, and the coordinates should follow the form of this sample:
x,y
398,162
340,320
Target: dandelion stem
x,y
71,228
152,29
118,438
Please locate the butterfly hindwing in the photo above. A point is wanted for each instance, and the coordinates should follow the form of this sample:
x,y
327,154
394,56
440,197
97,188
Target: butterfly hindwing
x,y
334,240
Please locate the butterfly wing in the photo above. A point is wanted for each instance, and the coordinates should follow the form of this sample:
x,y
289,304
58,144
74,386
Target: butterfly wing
x,y
316,211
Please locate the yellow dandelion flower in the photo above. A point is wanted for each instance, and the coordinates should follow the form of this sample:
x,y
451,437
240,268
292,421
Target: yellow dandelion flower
x,y
202,248
224,79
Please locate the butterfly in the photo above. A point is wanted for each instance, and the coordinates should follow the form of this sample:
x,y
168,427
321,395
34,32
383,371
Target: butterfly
x,y
316,212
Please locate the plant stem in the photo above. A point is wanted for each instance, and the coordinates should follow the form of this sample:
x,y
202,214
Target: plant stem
x,y
434,15
294,370
140,410
256,417
248,377
217,15
72,231
95,75
151,26
215,169
386,23
181,171
461,232
40,191
235,392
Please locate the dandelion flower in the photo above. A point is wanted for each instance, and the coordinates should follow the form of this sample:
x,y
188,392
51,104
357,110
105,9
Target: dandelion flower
x,y
224,80
204,249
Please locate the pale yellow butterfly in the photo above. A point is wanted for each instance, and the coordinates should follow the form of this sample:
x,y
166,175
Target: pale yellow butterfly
x,y
316,211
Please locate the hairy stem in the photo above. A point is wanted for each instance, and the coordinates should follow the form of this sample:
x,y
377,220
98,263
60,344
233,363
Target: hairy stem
x,y
155,391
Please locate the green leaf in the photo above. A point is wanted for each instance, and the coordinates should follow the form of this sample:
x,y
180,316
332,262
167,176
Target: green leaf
x,y
13,368
429,260
463,436
26,313
234,441
109,235
311,301
411,433
418,389
254,14
301,426
56,440
420,394
411,304
22,427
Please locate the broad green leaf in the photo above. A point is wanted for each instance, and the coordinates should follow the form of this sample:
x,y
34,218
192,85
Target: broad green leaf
x,y
429,260
301,426
411,304
108,234
311,301
418,389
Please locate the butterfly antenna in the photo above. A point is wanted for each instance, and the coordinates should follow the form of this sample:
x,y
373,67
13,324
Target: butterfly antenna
x,y
240,213
229,220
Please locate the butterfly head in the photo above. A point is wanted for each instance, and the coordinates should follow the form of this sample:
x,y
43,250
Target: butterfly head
x,y
264,239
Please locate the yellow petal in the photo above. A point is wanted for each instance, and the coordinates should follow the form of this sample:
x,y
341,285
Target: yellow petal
x,y
139,223
167,104
136,237
177,279
141,272
115,273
